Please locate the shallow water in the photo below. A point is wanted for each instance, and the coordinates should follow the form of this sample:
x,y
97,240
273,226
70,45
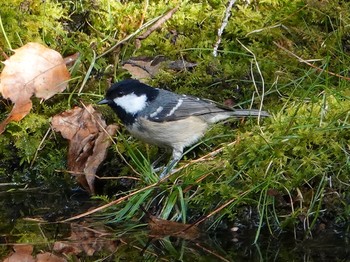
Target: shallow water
x,y
22,221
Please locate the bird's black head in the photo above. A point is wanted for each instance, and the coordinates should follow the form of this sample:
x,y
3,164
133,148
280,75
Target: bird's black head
x,y
128,98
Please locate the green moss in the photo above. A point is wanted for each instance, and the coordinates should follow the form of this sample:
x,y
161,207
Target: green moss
x,y
300,147
30,21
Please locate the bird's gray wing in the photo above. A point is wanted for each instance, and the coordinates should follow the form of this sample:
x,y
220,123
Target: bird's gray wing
x,y
172,107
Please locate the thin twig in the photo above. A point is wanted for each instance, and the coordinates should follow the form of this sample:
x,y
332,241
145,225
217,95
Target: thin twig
x,y
11,184
219,209
158,24
69,172
196,182
4,54
267,28
212,252
117,177
223,26
130,36
214,212
205,157
115,202
309,64
155,26
98,177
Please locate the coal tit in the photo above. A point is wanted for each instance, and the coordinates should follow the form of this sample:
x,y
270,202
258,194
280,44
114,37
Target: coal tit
x,y
166,119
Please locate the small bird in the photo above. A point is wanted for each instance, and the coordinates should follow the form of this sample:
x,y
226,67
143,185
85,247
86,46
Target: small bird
x,y
166,119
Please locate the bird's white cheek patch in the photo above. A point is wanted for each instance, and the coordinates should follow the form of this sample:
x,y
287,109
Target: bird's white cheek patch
x,y
131,103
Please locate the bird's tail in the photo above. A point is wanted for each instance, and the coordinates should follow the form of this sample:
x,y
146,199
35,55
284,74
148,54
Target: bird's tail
x,y
250,112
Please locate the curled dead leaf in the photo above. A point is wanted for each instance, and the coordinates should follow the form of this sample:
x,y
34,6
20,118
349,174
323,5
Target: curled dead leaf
x,y
88,137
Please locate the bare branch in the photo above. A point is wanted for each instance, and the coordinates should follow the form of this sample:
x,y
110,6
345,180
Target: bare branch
x,y
223,25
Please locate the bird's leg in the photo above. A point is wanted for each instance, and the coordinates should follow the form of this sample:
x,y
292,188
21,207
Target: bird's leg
x,y
176,156
163,153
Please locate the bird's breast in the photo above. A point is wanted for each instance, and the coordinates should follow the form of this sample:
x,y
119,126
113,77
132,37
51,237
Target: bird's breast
x,y
175,134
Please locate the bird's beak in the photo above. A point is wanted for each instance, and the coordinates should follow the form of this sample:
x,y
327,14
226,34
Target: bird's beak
x,y
104,101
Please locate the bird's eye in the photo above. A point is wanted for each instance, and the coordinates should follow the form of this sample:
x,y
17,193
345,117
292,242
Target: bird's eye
x,y
119,94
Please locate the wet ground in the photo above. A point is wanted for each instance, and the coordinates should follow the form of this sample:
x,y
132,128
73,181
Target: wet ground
x,y
29,215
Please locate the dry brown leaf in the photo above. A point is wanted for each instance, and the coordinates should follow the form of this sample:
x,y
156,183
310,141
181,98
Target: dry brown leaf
x,y
22,252
19,110
49,257
88,141
33,70
143,67
99,154
147,67
85,239
161,228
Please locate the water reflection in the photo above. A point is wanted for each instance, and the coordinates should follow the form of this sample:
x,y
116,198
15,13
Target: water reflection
x,y
21,222
89,242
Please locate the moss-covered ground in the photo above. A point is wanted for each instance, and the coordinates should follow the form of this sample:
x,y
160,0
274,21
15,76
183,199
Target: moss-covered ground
x,y
289,172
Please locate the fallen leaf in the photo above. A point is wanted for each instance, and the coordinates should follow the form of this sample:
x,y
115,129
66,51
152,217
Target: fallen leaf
x,y
99,154
85,239
70,60
143,67
33,70
66,247
49,257
160,228
147,67
19,110
179,65
22,253
88,141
